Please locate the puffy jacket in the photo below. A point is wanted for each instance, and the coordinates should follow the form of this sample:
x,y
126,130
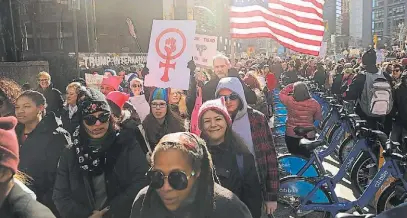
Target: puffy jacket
x,y
39,155
300,113
124,172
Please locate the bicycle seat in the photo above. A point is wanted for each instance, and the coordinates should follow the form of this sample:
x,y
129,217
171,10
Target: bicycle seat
x,y
310,145
346,215
380,135
303,131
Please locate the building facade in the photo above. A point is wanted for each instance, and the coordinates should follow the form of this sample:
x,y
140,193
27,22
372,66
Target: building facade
x,y
360,23
386,19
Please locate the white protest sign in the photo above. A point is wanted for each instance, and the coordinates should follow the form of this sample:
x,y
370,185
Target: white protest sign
x,y
171,47
205,49
93,80
379,57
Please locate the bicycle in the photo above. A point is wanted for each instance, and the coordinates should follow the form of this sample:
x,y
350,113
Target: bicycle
x,y
304,196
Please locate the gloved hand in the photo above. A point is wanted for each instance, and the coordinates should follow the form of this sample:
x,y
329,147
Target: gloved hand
x,y
191,65
145,70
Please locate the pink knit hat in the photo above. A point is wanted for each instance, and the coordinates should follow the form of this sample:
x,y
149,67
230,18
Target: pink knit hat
x,y
217,105
113,81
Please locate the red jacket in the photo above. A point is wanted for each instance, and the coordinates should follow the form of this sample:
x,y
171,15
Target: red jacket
x,y
271,81
300,113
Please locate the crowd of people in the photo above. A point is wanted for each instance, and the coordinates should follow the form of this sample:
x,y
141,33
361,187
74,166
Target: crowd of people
x,y
126,150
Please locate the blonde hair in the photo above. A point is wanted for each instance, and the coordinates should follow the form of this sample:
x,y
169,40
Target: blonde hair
x,y
43,73
74,85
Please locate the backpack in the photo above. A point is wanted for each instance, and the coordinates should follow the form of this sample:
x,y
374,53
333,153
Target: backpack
x,y
377,98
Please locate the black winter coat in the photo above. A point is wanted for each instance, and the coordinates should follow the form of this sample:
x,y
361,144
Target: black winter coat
x,y
70,124
55,102
20,204
125,170
400,105
246,187
39,155
226,205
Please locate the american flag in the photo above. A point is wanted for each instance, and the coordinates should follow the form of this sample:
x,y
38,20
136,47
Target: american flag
x,y
295,24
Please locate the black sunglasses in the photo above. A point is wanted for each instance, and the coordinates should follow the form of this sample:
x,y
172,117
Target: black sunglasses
x,y
177,179
396,70
230,97
91,120
136,86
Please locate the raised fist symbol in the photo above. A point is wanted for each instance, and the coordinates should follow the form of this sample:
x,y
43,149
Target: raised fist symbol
x,y
170,45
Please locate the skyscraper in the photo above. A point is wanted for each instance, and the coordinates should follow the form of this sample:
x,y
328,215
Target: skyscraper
x,y
360,23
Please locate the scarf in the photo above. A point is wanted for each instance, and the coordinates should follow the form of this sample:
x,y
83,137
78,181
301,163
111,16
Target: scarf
x,y
155,131
72,110
91,153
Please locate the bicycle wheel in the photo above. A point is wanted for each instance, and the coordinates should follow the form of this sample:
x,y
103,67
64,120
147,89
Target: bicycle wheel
x,y
292,190
362,173
345,148
391,197
291,165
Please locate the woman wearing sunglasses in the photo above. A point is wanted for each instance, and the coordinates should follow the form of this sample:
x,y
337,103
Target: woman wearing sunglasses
x,y
41,139
182,183
161,120
138,99
9,92
99,175
232,159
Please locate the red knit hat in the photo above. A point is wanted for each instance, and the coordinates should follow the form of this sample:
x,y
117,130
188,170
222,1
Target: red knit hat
x,y
113,81
9,148
118,98
217,105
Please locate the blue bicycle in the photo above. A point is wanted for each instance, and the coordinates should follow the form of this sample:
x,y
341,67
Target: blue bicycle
x,y
315,197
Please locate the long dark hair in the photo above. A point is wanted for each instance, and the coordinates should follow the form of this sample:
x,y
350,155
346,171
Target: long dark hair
x,y
201,161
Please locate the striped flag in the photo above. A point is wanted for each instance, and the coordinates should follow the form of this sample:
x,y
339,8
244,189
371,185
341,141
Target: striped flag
x,y
295,24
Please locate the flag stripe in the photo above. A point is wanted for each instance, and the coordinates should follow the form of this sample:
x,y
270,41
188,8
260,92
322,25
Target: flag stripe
x,y
299,5
281,30
277,14
296,24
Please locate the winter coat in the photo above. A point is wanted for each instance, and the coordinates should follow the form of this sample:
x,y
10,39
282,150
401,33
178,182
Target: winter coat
x,y
124,173
208,91
39,155
20,204
55,102
226,205
290,77
300,113
70,124
246,186
400,105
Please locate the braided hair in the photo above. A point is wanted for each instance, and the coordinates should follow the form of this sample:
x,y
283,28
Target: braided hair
x,y
201,161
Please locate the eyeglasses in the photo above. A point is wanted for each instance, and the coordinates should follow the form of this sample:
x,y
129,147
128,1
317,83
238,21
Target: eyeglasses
x,y
177,179
230,97
91,120
158,106
136,86
396,70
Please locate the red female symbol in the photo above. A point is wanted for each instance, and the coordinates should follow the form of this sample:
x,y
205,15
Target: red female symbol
x,y
170,48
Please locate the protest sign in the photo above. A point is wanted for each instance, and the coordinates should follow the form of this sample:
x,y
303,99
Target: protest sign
x,y
323,49
205,49
93,80
170,50
96,60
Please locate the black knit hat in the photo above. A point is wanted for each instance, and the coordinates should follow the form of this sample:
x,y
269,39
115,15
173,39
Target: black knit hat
x,y
369,58
93,101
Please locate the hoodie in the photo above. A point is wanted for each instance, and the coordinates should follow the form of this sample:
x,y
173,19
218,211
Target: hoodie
x,y
241,123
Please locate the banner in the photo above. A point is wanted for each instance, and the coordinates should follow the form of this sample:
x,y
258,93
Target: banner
x,y
96,60
93,80
170,50
205,49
